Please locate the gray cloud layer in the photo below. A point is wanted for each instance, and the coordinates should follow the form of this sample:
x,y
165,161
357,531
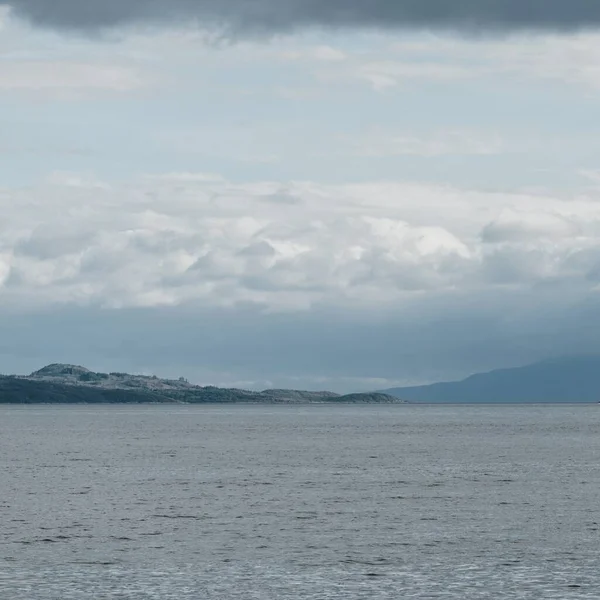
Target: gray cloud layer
x,y
281,15
339,350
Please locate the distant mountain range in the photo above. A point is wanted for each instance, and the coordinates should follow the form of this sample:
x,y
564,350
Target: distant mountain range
x,y
571,379
71,384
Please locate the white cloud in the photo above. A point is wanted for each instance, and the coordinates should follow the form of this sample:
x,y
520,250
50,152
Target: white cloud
x,y
190,237
246,143
37,75
322,53
573,59
570,59
378,143
387,74
76,180
328,54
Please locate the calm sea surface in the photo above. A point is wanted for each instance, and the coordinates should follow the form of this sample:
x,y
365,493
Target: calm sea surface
x,y
311,502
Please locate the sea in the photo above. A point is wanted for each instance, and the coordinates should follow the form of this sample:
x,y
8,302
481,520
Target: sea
x,y
274,502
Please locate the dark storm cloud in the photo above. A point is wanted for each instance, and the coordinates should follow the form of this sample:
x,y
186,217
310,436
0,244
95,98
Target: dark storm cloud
x,y
270,16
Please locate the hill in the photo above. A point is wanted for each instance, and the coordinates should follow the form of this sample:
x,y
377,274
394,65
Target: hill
x,y
570,379
73,384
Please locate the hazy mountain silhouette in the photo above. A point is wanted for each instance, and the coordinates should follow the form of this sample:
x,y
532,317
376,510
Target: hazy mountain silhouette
x,y
569,379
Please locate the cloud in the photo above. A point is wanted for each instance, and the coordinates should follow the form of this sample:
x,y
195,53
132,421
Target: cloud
x,y
48,66
387,74
378,143
179,238
572,59
285,15
514,226
68,79
4,13
347,287
53,75
318,53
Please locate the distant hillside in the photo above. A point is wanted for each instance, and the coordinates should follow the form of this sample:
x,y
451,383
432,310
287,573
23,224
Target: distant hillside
x,y
573,379
70,384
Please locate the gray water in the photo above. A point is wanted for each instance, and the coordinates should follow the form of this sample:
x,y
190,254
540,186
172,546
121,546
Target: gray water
x,y
311,502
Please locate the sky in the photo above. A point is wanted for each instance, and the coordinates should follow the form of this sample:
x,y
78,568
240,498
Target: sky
x,y
347,195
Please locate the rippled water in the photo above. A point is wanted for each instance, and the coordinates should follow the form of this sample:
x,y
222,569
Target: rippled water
x,y
306,502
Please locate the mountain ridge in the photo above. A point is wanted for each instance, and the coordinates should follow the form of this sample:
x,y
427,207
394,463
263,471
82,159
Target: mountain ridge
x,y
570,379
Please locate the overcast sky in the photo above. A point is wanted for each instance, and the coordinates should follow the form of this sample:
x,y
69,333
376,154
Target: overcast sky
x,y
346,195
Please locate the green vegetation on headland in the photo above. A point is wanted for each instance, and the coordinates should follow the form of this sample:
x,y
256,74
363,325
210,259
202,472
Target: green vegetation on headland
x,y
70,384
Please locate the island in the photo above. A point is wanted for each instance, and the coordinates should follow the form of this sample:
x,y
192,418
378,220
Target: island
x,y
73,384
